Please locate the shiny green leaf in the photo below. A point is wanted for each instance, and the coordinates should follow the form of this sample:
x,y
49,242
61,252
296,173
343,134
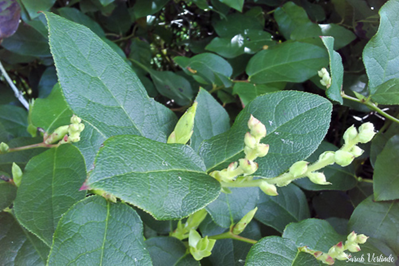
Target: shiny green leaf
x,y
387,93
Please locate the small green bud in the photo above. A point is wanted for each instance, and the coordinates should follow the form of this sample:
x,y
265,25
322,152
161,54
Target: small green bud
x,y
343,158
75,119
193,238
16,174
232,166
242,224
4,148
248,167
57,135
250,141
366,132
250,154
356,151
200,247
74,137
326,81
327,259
195,219
353,247
32,130
342,256
352,237
361,239
336,250
350,134
258,130
299,168
74,128
184,127
318,178
327,156
268,189
262,149
322,72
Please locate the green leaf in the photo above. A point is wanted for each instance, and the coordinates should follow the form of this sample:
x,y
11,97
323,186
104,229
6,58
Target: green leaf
x,y
9,17
290,16
228,209
341,178
76,15
47,82
19,247
119,21
236,4
15,120
143,8
165,250
277,211
166,180
386,172
166,118
342,36
313,233
249,91
106,2
33,7
381,54
106,234
290,62
378,220
211,119
49,187
291,118
387,92
108,97
337,71
51,112
207,68
8,193
237,23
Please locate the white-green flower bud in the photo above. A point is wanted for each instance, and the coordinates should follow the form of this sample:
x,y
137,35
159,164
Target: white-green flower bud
x,y
361,239
262,149
250,141
326,81
322,72
342,256
336,250
250,154
356,151
248,167
16,174
352,237
318,178
327,156
193,238
74,137
258,130
325,258
298,168
4,148
242,224
184,127
366,132
268,189
75,119
57,135
353,247
343,158
200,247
232,166
74,128
350,134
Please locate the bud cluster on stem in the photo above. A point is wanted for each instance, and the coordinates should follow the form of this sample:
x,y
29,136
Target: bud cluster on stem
x,y
325,77
193,221
66,134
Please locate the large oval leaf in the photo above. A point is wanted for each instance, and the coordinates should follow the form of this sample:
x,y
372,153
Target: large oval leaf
x,y
296,123
97,232
166,180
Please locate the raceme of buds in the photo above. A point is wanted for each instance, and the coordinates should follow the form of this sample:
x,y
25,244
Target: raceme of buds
x,y
75,129
353,241
258,130
16,174
242,224
298,168
318,178
268,189
325,77
4,148
200,247
350,134
343,158
366,132
184,127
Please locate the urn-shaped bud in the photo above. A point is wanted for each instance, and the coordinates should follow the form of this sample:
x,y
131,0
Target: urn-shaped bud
x,y
336,250
268,189
248,167
75,119
184,127
343,158
361,239
352,237
350,134
250,140
242,224
327,259
57,135
4,148
318,178
16,174
258,130
327,156
342,256
322,72
366,132
262,149
353,247
356,151
299,168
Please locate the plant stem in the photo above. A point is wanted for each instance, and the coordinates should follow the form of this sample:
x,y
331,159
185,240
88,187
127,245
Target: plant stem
x,y
230,235
18,94
370,105
33,146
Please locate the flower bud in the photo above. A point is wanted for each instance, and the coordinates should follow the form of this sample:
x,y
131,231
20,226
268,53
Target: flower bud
x,y
343,158
366,132
327,259
262,149
57,135
361,239
356,151
16,174
74,128
250,154
258,130
342,256
81,127
195,219
248,167
353,247
318,178
200,247
322,72
268,189
74,137
233,166
184,127
75,119
352,237
299,168
4,148
336,250
242,224
250,141
350,134
327,156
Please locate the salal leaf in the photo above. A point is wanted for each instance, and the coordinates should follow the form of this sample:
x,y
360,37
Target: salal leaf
x,y
108,97
249,91
33,7
290,62
211,119
165,250
15,120
47,81
337,71
166,118
386,172
76,15
296,123
378,220
106,234
8,192
381,54
228,209
144,8
49,187
237,23
387,92
9,18
168,181
207,68
290,16
290,205
51,112
236,4
19,247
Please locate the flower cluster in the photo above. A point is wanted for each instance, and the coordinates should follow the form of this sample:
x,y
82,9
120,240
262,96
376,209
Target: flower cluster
x,y
325,77
68,133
